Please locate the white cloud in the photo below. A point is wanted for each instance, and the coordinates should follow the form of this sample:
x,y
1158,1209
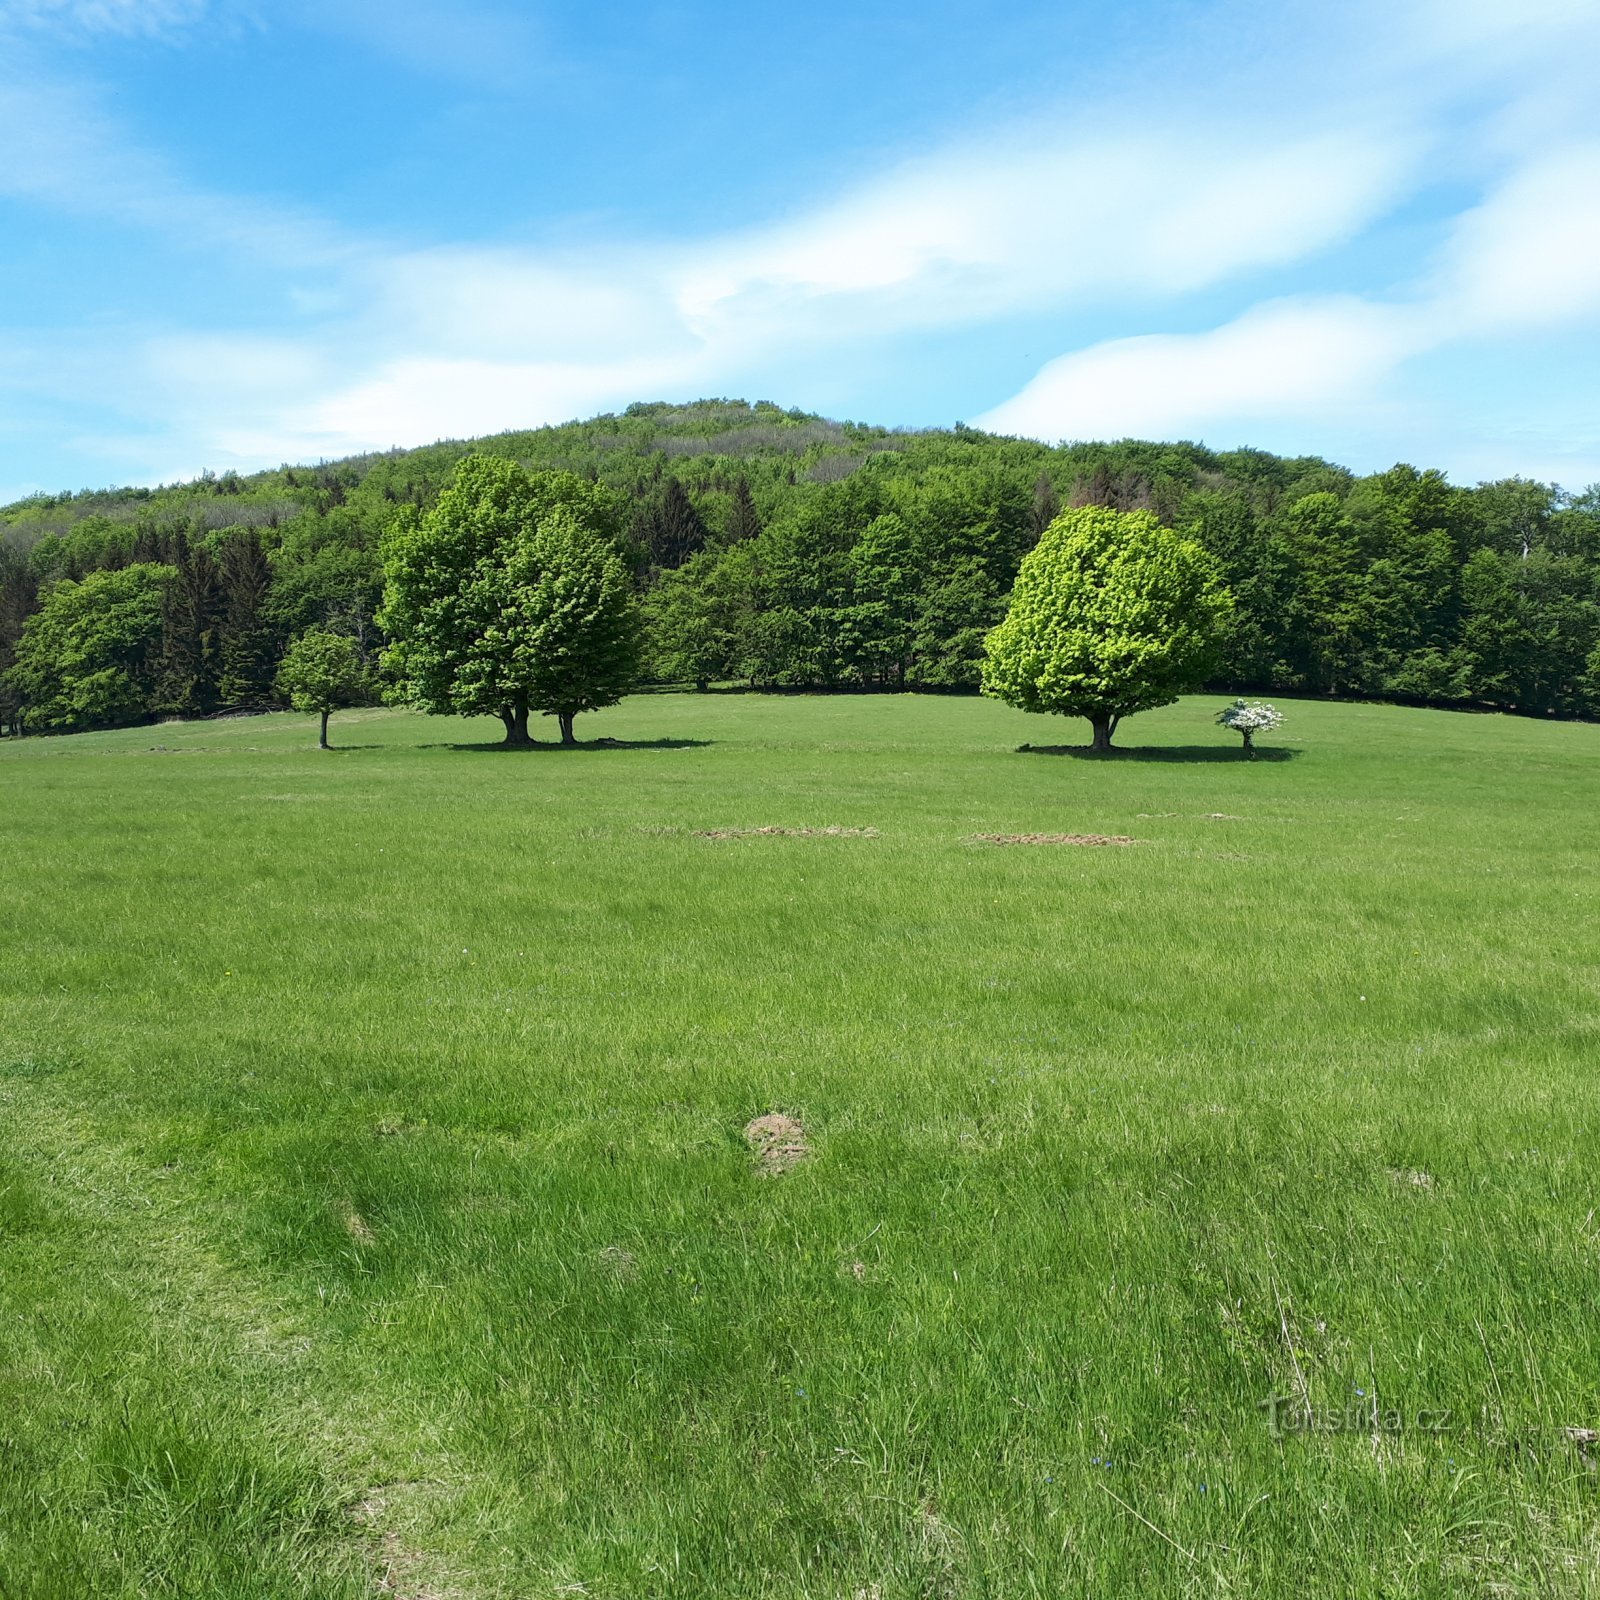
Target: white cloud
x,y
497,47
1042,215
414,401
63,151
1091,211
459,341
1286,358
1529,256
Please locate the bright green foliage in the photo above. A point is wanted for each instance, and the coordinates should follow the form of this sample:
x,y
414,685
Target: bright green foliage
x,y
375,1217
86,658
578,621
1342,584
699,618
1528,627
509,596
1111,614
321,672
881,623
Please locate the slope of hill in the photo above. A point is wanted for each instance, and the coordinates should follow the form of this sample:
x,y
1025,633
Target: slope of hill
x,y
781,548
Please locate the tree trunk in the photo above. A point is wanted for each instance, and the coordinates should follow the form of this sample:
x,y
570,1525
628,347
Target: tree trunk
x,y
324,741
565,719
1104,727
1249,742
516,721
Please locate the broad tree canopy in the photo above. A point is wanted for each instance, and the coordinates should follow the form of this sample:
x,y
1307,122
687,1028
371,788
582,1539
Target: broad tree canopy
x,y
1112,613
510,596
87,657
321,672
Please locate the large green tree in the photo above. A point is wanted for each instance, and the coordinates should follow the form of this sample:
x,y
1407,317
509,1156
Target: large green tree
x,y
510,597
1112,613
87,657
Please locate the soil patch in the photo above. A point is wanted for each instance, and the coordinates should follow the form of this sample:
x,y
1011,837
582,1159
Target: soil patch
x,y
620,1264
786,833
779,1143
1413,1177
1052,838
399,1568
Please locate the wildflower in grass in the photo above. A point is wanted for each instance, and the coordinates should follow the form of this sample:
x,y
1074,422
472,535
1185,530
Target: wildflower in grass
x,y
1248,718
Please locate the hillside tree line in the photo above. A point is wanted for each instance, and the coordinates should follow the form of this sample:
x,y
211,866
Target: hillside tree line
x,y
773,549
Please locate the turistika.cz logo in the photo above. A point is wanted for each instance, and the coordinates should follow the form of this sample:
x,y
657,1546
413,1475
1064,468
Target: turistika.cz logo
x,y
1287,1415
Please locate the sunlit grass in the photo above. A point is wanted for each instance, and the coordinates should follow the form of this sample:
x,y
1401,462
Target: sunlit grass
x,y
374,1206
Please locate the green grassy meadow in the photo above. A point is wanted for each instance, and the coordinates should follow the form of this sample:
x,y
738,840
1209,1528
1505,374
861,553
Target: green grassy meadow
x,y
376,1216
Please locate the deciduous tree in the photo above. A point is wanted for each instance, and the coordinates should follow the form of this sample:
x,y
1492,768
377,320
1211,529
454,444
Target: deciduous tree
x,y
86,658
321,672
509,597
1112,613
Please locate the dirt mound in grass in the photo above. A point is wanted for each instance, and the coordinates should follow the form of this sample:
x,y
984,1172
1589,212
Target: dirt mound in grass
x,y
620,1264
1053,838
786,833
779,1143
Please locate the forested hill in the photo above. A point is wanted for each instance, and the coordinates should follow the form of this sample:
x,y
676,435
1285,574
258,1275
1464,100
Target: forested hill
x,y
777,548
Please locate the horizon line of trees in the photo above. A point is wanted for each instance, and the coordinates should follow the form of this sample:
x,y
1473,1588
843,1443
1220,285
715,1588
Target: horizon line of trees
x,y
777,551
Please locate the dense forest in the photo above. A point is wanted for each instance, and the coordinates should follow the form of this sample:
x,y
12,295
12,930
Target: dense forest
x,y
777,549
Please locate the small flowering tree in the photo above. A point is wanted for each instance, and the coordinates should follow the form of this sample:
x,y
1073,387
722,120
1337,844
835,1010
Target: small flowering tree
x,y
1248,718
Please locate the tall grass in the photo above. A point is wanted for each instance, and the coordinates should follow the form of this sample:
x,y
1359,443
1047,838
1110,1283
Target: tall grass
x,y
374,1206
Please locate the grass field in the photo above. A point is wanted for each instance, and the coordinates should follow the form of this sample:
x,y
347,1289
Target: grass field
x,y
376,1216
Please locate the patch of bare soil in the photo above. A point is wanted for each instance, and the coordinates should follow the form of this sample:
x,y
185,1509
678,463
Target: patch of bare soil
x,y
399,1568
359,1228
779,1143
1412,1177
620,1264
786,833
1052,838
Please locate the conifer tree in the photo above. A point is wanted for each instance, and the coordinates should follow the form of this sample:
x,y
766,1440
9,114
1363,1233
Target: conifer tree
x,y
744,522
247,636
677,531
1045,509
191,634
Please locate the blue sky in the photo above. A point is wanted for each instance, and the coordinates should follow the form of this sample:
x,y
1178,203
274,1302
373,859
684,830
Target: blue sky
x,y
234,234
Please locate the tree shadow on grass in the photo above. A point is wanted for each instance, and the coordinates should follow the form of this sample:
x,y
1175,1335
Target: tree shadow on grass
x,y
1206,753
553,747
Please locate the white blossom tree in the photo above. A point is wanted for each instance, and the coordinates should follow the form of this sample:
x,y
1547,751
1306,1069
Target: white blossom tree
x,y
1248,718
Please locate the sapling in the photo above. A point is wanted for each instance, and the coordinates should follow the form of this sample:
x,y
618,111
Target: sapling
x,y
1248,718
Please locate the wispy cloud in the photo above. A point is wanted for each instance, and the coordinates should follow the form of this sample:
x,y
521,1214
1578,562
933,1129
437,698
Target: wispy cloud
x,y
1291,357
82,19
1093,210
461,340
1529,256
64,151
1526,258
490,46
